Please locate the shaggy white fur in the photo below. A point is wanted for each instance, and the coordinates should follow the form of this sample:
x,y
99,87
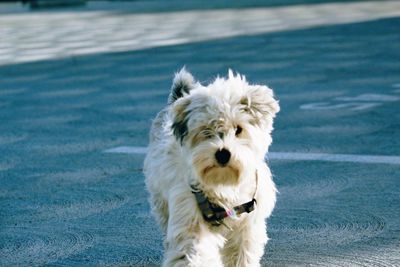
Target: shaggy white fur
x,y
231,115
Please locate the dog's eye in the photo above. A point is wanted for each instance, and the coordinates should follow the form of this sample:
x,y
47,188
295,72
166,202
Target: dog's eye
x,y
238,130
207,134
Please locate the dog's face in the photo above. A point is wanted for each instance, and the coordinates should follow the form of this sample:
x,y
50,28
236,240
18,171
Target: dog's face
x,y
224,128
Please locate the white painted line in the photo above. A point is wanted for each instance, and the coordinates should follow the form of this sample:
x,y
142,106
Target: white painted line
x,y
127,150
298,156
334,157
369,97
330,106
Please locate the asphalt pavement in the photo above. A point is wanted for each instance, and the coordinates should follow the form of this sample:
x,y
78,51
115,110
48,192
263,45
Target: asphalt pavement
x,y
71,195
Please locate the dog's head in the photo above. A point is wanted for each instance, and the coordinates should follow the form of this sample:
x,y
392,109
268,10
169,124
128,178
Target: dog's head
x,y
224,128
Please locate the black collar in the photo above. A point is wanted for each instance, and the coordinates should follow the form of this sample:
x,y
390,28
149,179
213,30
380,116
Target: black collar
x,y
216,214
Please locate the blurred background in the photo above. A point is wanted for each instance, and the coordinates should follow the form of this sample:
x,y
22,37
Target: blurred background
x,y
80,82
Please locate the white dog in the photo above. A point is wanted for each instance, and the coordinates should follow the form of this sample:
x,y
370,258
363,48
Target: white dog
x,y
210,187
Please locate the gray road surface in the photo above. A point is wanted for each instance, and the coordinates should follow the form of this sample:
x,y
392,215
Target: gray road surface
x,y
65,201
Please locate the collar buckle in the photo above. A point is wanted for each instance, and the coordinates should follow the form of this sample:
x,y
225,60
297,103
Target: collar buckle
x,y
215,214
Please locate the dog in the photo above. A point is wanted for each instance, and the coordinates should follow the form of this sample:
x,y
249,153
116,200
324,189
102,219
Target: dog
x,y
210,187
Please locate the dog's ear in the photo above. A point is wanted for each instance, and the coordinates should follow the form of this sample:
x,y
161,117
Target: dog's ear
x,y
181,85
180,114
260,103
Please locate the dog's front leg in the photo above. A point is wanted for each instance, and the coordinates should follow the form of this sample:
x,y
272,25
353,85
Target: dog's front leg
x,y
245,246
190,241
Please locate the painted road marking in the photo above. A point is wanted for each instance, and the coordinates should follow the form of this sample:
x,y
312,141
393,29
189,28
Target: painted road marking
x,y
360,102
369,97
128,150
372,159
298,156
329,106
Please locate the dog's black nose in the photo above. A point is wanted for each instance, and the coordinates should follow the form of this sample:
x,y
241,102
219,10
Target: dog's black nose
x,y
223,156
